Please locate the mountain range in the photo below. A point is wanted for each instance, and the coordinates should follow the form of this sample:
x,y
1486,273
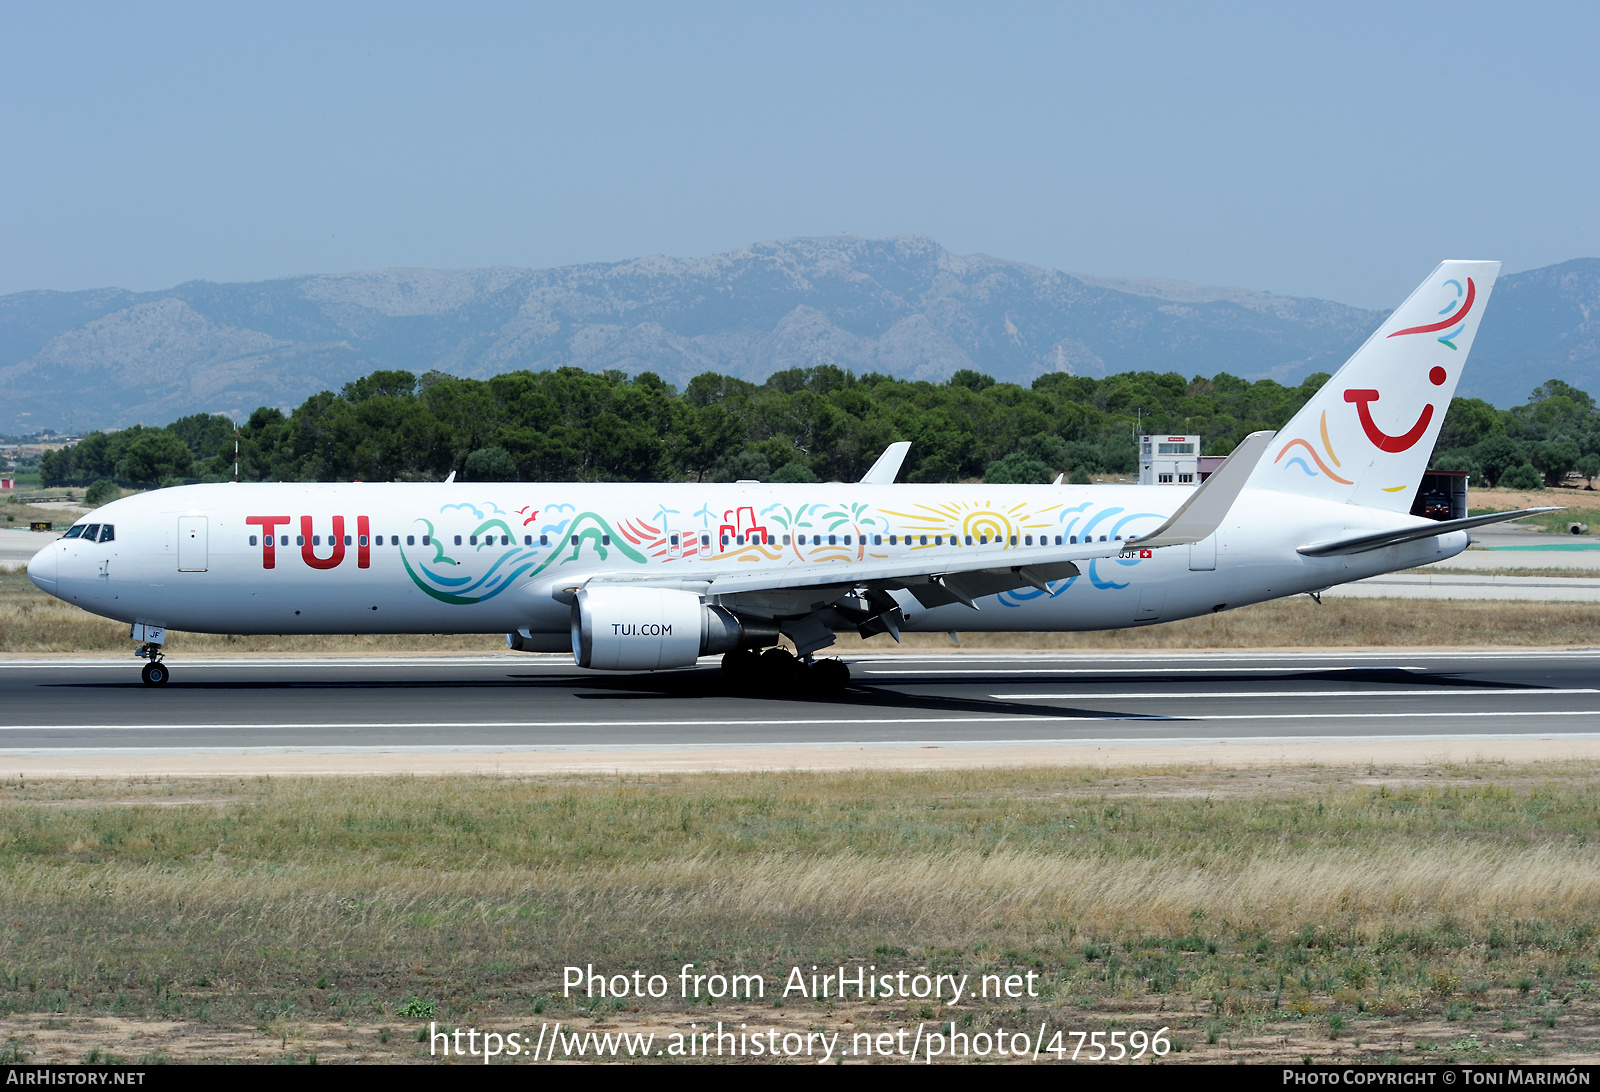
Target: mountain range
x,y
903,306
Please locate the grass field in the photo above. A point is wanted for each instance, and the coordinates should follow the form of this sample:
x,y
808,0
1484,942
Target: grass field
x,y
1370,914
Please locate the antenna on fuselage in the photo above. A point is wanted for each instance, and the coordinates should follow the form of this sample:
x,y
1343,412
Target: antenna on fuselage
x,y
451,478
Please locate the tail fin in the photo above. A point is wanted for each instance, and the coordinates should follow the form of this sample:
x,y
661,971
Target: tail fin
x,y
1365,438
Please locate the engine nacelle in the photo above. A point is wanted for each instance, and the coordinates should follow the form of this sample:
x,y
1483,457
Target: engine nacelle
x,y
642,629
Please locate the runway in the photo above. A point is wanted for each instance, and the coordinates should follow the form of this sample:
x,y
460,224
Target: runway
x,y
509,704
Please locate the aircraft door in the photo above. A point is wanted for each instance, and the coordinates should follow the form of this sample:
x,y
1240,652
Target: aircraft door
x,y
191,544
1203,554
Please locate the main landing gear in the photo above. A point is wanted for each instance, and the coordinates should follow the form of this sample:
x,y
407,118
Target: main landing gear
x,y
780,669
155,672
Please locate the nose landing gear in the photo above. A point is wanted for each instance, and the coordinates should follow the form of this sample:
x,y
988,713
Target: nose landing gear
x,y
155,672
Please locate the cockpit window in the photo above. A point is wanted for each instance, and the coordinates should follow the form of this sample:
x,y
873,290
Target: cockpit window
x,y
108,532
73,532
91,532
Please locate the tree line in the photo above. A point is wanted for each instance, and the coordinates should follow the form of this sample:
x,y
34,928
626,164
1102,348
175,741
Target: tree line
x,y
810,424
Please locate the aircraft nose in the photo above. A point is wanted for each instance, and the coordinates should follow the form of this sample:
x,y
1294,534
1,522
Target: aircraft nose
x,y
42,569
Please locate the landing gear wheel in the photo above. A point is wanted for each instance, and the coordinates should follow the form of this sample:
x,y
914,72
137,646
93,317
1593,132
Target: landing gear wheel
x,y
830,676
779,666
741,664
155,674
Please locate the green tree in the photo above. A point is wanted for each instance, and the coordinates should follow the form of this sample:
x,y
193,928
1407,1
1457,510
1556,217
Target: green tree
x,y
1589,467
1017,469
795,472
1522,477
1496,455
103,491
155,455
490,464
1555,459
1470,421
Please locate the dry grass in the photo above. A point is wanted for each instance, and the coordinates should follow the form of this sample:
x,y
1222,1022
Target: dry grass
x,y
1422,907
32,622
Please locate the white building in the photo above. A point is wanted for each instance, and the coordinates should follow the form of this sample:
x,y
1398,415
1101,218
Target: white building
x,y
1169,460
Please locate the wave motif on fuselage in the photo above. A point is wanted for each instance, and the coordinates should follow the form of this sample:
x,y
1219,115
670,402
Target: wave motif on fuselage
x,y
508,559
495,556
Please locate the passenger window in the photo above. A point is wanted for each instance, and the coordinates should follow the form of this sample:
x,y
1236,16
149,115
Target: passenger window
x,y
299,540
969,540
284,541
724,540
574,540
1058,540
938,540
740,540
544,540
73,532
472,540
893,540
877,540
705,540
458,540
505,540
786,540
605,540
924,540
316,540
1027,540
411,540
1014,540
363,541
347,540
847,540
252,540
674,540
1074,540
427,540
527,540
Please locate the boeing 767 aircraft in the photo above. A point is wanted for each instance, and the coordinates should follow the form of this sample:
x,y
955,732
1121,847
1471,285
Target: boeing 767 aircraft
x,y
641,577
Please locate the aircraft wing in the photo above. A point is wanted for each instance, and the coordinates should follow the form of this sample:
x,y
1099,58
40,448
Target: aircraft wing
x,y
939,575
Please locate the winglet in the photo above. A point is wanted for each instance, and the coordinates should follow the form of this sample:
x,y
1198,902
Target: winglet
x,y
887,468
1207,507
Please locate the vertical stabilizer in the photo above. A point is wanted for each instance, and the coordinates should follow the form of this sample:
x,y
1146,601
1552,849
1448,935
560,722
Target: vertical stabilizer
x,y
1366,436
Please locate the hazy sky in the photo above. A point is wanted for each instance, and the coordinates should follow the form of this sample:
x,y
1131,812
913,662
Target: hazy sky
x,y
1333,150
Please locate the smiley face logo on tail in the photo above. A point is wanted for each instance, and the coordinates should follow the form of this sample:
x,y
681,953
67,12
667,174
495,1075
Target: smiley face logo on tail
x,y
1381,439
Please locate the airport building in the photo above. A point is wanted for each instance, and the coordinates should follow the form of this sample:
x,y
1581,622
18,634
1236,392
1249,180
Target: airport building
x,y
1169,460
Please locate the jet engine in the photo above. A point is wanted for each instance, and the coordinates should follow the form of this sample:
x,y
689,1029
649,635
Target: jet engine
x,y
642,629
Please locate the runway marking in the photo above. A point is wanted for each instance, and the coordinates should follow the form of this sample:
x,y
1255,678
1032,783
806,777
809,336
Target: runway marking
x,y
1436,692
829,745
1119,670
1013,718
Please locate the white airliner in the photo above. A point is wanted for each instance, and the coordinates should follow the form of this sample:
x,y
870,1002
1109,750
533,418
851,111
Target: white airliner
x,y
641,577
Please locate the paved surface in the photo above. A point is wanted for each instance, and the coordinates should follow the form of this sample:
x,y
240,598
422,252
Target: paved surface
x,y
1463,584
507,703
18,547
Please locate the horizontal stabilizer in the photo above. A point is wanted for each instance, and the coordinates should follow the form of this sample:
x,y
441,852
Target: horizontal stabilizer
x,y
1363,543
887,468
1201,515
